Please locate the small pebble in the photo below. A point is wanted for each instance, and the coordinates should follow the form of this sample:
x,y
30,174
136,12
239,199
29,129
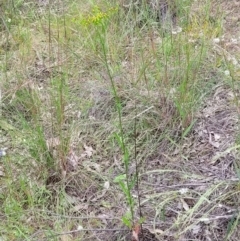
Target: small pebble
x,y
227,72
216,40
2,153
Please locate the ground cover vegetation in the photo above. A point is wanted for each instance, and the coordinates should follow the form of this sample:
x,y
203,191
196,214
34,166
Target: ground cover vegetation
x,y
119,120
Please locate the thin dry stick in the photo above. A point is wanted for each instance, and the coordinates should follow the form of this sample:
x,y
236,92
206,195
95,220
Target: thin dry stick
x,y
136,168
74,231
219,217
149,108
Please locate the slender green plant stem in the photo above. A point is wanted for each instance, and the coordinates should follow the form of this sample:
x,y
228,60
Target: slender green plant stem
x,y
118,105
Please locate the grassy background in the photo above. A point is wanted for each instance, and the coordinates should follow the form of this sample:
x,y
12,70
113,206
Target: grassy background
x,y
90,90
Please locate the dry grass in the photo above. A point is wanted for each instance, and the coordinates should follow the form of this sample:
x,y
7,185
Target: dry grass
x,y
68,71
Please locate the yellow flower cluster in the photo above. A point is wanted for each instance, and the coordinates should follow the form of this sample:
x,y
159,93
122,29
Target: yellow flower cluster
x,y
97,16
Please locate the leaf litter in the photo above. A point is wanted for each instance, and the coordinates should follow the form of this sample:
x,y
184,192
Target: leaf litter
x,y
205,161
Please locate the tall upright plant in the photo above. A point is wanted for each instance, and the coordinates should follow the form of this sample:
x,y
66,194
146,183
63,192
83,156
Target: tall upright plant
x,y
126,181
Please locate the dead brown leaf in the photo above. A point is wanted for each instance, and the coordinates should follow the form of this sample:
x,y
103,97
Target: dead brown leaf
x,y
88,151
72,160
